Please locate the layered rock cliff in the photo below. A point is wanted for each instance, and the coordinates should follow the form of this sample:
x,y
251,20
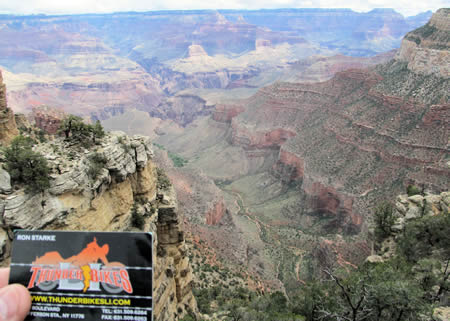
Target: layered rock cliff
x,y
8,128
82,198
344,137
301,160
426,49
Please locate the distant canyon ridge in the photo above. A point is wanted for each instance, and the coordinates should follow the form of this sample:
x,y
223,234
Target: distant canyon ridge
x,y
99,65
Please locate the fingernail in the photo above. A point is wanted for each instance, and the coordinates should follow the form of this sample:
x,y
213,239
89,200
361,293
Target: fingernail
x,y
8,303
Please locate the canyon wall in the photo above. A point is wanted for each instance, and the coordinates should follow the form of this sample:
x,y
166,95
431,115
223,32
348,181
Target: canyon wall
x,y
302,165
425,50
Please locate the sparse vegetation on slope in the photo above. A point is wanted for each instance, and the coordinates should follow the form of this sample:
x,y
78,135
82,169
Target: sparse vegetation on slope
x,y
177,160
163,181
97,163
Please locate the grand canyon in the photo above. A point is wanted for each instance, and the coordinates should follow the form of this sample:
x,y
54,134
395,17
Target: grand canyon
x,y
280,130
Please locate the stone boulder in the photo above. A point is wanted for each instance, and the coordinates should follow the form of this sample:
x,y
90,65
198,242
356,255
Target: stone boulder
x,y
5,182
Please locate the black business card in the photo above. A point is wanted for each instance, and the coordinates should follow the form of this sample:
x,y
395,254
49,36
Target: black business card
x,y
85,275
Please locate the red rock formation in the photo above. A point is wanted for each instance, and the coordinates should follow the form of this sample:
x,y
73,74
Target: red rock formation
x,y
225,113
88,97
214,215
48,119
293,160
249,139
326,200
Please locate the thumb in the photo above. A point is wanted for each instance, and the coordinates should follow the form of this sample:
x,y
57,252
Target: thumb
x,y
15,303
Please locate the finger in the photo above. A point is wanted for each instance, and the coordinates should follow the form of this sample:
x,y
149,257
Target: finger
x,y
4,276
15,303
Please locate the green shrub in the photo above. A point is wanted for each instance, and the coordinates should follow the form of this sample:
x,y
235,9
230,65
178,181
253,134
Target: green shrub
x,y
41,136
177,160
383,220
426,235
75,129
188,317
413,190
26,166
97,163
163,180
97,131
137,220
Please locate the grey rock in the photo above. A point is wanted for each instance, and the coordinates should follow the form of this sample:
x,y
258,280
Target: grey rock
x,y
441,314
413,212
400,208
141,156
102,181
432,199
32,211
63,183
416,199
166,200
432,204
5,182
2,207
399,225
120,163
403,199
445,208
445,197
374,259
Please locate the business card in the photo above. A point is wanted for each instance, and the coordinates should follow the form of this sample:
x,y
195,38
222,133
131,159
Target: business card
x,y
85,275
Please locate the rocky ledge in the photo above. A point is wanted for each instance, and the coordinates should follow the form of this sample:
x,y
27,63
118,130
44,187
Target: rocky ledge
x,y
100,189
426,49
409,208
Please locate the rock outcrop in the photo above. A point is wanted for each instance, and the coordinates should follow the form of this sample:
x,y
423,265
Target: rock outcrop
x,y
48,119
408,208
79,199
426,50
5,182
183,109
8,128
195,51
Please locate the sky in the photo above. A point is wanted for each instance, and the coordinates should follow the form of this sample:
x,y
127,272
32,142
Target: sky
x,y
405,7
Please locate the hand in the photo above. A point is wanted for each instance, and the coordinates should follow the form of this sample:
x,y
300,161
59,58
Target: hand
x,y
15,300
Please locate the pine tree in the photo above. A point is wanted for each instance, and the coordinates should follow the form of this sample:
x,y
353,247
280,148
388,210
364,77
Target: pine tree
x,y
26,166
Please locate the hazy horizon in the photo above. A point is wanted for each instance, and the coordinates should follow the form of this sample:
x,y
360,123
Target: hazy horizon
x,y
48,7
